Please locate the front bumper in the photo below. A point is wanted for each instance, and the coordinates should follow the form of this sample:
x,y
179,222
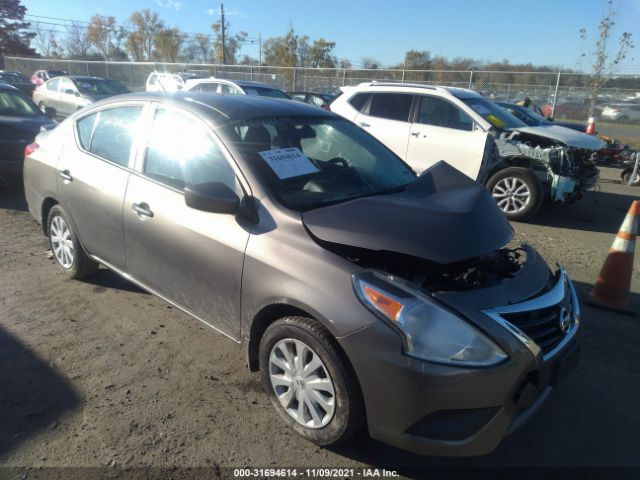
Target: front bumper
x,y
435,409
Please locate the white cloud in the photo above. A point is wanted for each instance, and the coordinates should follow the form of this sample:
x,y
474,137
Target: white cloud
x,y
211,11
175,4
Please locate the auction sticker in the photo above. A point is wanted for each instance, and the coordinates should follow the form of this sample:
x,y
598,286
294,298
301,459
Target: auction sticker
x,y
288,162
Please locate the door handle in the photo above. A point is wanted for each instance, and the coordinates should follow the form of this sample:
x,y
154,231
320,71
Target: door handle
x,y
65,175
415,134
142,210
364,124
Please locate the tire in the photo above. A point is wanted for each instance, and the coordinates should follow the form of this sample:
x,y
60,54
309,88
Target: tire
x,y
509,187
626,176
65,246
294,334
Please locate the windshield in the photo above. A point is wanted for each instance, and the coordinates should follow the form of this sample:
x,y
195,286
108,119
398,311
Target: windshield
x,y
492,113
309,162
14,104
265,92
96,86
117,86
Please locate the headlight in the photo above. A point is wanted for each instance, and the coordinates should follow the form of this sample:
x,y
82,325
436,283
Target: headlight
x,y
430,331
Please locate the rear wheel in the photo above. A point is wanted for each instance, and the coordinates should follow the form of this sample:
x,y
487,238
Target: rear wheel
x,y
310,385
66,248
517,192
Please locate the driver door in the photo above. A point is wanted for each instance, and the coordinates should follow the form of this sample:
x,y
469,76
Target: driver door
x,y
190,257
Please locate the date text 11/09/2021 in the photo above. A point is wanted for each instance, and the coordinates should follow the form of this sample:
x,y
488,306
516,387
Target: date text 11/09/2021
x,y
314,473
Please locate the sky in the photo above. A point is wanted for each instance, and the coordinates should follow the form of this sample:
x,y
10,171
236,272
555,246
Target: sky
x,y
541,32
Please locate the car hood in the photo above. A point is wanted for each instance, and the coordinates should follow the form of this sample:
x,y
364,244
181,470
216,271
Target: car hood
x,y
567,136
29,126
443,217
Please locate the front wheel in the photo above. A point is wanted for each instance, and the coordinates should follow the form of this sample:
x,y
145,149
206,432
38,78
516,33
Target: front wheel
x,y
309,382
517,192
626,178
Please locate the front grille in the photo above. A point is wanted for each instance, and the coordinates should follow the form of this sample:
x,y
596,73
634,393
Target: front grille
x,y
542,326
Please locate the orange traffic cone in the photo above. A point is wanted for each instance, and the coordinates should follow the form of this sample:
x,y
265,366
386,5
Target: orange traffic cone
x,y
591,126
611,291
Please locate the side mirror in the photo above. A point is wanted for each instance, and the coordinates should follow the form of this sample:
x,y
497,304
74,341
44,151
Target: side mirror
x,y
213,197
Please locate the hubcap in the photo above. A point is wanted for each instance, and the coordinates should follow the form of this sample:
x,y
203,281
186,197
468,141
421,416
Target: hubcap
x,y
302,383
511,194
61,242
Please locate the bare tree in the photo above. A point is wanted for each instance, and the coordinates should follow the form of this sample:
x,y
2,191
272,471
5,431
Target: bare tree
x,y
104,34
605,62
141,41
45,41
76,43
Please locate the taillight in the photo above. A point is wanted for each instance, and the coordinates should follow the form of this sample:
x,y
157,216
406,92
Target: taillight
x,y
29,149
325,107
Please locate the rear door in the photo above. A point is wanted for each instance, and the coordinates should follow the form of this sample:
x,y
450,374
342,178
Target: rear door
x,y
442,131
190,257
92,178
386,117
67,97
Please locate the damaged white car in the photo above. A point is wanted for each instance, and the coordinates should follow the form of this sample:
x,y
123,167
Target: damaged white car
x,y
522,166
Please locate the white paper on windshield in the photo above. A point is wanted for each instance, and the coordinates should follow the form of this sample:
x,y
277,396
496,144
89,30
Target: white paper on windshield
x,y
288,162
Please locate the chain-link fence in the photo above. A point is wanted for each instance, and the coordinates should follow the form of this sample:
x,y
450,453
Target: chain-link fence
x,y
563,95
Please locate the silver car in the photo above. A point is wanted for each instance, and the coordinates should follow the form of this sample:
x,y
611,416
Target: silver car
x,y
364,294
62,95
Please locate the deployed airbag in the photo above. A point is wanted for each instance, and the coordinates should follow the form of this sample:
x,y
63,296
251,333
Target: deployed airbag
x,y
443,217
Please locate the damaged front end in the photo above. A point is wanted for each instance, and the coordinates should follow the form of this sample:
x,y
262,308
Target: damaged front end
x,y
566,172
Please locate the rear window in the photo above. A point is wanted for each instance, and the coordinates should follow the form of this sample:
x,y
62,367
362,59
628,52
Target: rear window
x,y
393,106
359,100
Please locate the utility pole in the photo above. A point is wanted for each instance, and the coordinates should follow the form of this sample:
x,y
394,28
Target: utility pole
x,y
224,46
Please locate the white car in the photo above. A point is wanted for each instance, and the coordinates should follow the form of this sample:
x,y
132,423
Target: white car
x,y
169,82
424,124
622,112
233,87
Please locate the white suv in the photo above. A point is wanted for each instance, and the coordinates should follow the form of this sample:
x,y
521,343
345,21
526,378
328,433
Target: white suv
x,y
424,124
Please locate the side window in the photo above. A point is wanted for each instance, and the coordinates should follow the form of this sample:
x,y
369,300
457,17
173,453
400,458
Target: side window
x,y
394,106
208,87
85,130
113,133
358,100
66,84
440,113
298,96
53,84
181,151
316,100
228,89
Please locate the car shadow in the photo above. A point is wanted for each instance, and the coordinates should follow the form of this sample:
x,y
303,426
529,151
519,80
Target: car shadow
x,y
12,198
590,420
595,212
33,396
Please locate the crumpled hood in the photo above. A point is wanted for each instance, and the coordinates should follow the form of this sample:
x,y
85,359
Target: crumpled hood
x,y
569,137
443,217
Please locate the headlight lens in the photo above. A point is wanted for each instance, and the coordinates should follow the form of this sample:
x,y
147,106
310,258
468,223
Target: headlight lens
x,y
430,331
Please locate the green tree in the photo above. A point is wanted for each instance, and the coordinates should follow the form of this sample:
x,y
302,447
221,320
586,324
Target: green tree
x,y
14,37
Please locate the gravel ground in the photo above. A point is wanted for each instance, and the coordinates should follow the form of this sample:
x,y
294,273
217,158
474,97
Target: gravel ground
x,y
98,373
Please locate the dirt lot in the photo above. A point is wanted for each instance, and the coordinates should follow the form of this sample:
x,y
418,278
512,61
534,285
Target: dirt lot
x,y
99,373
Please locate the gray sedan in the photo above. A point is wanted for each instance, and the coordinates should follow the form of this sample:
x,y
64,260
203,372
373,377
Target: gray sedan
x,y
364,294
61,96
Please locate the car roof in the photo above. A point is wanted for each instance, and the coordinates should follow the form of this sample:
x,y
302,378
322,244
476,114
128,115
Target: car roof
x,y
228,107
416,87
6,86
